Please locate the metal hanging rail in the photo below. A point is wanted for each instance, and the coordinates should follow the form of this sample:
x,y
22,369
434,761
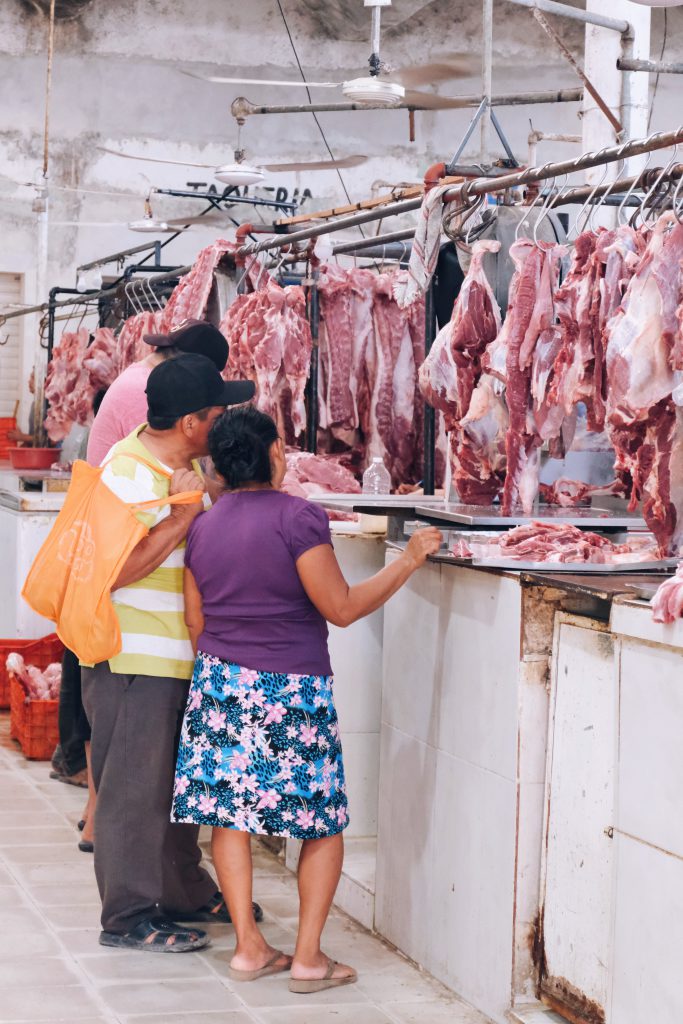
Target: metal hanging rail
x,y
659,67
480,186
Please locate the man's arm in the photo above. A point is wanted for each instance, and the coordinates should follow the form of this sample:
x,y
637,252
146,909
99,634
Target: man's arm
x,y
164,538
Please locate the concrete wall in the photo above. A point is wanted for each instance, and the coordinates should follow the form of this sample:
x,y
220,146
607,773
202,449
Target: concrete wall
x,y
117,83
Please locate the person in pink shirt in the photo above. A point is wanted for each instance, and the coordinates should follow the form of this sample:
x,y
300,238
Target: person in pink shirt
x,y
124,407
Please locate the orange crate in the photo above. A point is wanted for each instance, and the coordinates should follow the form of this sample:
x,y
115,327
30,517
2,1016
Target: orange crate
x,y
34,723
40,653
7,423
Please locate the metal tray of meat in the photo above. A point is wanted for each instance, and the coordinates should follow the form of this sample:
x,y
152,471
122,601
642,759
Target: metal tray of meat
x,y
492,515
664,565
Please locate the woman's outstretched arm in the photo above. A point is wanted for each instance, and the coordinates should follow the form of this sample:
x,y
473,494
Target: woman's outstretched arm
x,y
323,580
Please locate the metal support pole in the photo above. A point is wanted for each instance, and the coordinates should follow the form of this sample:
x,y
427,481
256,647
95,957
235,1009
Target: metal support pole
x,y
242,107
429,465
658,67
312,412
486,78
576,14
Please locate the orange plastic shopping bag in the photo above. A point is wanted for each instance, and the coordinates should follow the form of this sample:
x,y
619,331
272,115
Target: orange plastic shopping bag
x,y
71,578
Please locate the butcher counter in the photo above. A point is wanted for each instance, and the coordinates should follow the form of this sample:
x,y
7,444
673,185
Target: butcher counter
x,y
529,837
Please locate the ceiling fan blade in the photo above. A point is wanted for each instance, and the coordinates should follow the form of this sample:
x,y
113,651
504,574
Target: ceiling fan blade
x,y
153,159
429,74
220,80
318,165
430,100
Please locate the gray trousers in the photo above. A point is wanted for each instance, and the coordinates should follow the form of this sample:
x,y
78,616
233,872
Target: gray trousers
x,y
142,861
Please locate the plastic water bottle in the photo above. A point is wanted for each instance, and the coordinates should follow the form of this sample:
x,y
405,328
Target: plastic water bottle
x,y
376,479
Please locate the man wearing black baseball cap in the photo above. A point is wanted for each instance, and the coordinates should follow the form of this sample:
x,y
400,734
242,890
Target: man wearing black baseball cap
x,y
124,406
148,870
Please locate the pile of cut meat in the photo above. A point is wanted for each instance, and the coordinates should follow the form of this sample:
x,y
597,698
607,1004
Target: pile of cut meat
x,y
370,350
556,543
38,684
309,474
270,343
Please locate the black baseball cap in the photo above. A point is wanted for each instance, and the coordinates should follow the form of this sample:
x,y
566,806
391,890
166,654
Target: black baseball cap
x,y
189,383
196,336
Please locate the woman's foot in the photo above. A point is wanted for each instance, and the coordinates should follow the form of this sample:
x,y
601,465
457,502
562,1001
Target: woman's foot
x,y
323,974
318,969
257,956
275,963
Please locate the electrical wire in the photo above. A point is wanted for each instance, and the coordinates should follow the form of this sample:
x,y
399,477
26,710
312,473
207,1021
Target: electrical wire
x,y
661,57
313,113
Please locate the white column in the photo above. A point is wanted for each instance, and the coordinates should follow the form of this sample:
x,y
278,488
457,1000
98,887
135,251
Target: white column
x,y
626,93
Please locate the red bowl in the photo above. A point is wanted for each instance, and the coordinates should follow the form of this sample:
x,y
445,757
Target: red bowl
x,y
33,458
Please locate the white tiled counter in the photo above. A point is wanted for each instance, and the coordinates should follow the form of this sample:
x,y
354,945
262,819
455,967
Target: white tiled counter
x,y
464,718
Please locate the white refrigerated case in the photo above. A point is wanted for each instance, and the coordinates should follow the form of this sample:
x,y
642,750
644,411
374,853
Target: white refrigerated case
x,y
26,518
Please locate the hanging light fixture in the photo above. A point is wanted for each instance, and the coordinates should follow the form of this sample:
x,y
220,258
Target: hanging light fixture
x,y
151,224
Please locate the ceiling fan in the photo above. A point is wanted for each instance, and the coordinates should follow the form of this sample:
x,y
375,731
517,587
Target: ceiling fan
x,y
241,172
373,89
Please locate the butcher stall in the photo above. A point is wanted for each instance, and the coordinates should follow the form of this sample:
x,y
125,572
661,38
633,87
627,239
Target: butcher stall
x,y
510,718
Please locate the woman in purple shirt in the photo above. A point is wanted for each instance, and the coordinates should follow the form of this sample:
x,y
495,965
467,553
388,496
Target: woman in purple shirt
x,y
260,750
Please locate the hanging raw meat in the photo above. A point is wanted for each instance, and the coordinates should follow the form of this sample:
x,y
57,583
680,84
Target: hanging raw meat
x,y
530,321
190,297
449,378
270,343
131,347
68,389
101,359
645,424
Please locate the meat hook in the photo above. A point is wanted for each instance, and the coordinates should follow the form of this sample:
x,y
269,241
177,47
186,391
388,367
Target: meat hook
x,y
602,198
637,183
547,205
525,218
676,209
128,290
574,230
652,191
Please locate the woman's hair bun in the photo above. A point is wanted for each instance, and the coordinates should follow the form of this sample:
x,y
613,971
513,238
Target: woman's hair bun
x,y
239,444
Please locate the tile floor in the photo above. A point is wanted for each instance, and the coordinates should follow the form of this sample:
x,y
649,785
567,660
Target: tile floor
x,y
52,968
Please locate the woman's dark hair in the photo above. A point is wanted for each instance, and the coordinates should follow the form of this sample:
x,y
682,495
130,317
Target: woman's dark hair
x,y
239,444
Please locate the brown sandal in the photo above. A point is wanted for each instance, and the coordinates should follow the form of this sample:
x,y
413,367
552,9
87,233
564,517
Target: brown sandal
x,y
272,967
307,985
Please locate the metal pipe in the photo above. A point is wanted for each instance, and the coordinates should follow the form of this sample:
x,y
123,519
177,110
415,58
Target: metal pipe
x,y
218,199
105,293
378,241
486,78
659,67
313,411
242,107
660,140
391,210
429,463
116,256
574,64
576,14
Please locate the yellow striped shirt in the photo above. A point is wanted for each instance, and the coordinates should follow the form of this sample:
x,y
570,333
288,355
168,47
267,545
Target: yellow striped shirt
x,y
155,641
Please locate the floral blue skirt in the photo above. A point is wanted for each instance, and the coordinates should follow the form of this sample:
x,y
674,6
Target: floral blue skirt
x,y
260,752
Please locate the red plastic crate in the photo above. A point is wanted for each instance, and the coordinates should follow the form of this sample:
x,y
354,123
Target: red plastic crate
x,y
34,723
7,423
40,653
